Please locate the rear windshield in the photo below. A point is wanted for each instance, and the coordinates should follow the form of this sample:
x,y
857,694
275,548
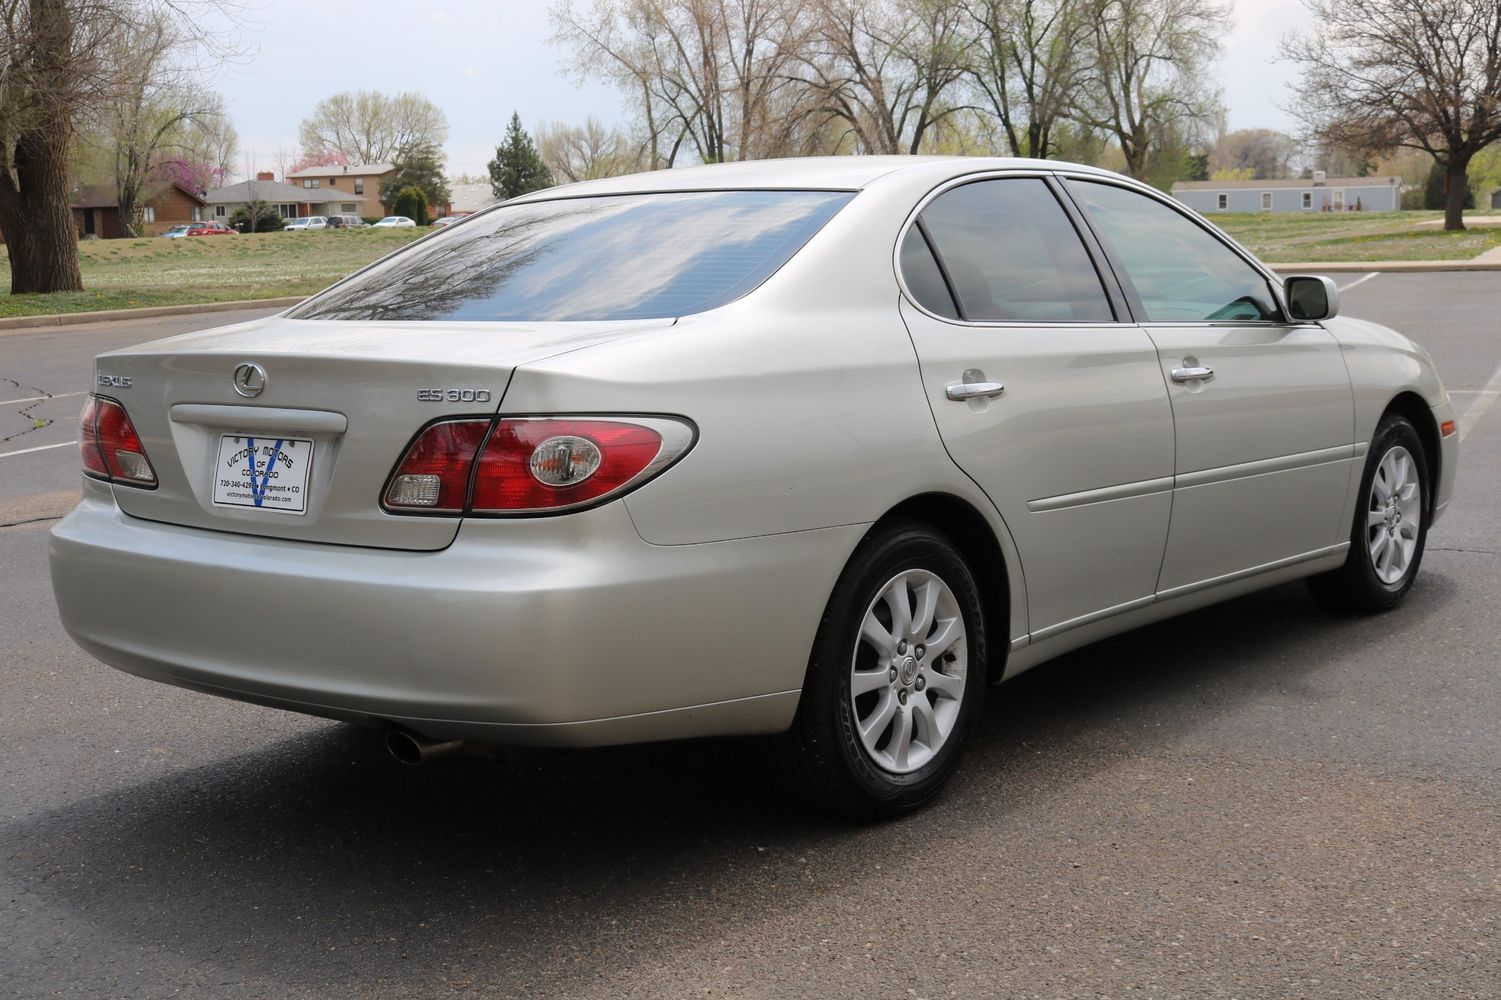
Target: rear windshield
x,y
647,256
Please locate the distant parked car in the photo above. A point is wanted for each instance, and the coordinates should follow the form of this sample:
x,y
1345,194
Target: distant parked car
x,y
306,222
199,229
449,220
396,222
346,222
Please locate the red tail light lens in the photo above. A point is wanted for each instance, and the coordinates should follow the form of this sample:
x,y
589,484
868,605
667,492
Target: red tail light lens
x,y
434,473
110,446
531,465
88,440
545,464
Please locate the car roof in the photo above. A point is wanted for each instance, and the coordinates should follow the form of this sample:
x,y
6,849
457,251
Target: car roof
x,y
839,173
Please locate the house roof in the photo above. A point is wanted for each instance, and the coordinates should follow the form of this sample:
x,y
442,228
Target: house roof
x,y
471,197
274,191
352,170
1307,183
104,196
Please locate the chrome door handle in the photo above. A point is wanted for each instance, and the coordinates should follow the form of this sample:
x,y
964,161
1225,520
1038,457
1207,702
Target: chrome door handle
x,y
960,391
1194,373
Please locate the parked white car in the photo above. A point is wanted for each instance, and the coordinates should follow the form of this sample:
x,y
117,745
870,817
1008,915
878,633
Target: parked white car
x,y
305,223
816,449
395,222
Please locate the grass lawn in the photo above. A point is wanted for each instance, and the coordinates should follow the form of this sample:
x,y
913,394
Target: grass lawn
x,y
1354,236
125,274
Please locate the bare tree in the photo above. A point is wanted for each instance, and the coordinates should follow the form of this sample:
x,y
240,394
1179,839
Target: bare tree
x,y
1147,78
51,65
1425,74
1029,62
150,115
370,127
588,151
56,72
886,70
710,76
1263,152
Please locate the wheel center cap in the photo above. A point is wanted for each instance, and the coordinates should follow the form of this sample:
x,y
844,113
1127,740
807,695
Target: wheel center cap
x,y
907,670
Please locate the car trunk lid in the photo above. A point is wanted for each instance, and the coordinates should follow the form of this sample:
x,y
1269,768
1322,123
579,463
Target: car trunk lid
x,y
342,400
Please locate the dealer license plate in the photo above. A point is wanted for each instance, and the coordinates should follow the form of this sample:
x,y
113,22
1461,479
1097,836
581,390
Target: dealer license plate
x,y
267,472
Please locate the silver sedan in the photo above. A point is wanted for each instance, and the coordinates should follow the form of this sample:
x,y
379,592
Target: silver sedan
x,y
815,449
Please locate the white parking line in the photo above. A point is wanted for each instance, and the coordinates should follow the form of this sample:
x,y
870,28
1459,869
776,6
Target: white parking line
x,y
1477,409
45,447
1359,281
38,399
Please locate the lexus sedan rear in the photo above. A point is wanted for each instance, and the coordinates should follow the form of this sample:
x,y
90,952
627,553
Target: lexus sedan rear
x,y
811,449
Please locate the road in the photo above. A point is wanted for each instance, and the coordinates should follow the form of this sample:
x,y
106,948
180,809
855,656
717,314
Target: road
x,y
1259,799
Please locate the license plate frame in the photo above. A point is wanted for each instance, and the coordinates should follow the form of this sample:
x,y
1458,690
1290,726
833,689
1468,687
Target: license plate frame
x,y
262,472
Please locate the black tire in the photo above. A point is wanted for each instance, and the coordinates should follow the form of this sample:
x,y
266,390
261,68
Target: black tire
x,y
1358,586
823,756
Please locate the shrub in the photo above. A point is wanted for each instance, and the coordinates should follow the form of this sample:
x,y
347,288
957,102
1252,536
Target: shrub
x,y
266,220
412,203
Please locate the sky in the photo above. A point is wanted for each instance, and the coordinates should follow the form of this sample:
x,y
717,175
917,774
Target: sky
x,y
479,60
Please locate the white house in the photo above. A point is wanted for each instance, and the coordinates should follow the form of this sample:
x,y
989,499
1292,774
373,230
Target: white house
x,y
1315,194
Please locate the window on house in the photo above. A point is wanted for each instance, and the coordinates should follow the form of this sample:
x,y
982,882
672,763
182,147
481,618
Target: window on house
x,y
1222,201
148,214
195,214
220,211
1307,199
1266,201
359,185
310,183
347,208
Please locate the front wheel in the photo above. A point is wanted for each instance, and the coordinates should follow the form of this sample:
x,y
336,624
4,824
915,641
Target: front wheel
x,y
895,680
1391,525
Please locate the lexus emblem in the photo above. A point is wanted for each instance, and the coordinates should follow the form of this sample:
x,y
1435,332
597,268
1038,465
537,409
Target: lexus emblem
x,y
250,379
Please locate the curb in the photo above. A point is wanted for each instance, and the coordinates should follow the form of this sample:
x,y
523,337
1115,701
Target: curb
x,y
105,315
1388,266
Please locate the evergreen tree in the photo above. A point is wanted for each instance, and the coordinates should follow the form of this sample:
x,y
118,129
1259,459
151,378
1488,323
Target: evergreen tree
x,y
422,168
412,203
517,168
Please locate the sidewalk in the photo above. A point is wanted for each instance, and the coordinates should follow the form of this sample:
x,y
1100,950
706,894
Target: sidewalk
x,y
110,315
1488,261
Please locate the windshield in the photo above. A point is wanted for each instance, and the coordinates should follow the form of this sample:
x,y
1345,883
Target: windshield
x,y
652,256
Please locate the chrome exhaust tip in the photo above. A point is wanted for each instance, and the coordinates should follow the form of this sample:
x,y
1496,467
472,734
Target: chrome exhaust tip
x,y
412,749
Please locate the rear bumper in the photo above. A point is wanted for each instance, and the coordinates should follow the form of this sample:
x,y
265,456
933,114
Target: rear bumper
x,y
554,631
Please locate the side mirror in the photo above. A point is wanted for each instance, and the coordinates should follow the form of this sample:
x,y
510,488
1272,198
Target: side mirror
x,y
1311,297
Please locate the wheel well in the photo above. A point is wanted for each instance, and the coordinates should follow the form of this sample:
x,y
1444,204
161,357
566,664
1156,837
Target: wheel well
x,y
1418,413
975,540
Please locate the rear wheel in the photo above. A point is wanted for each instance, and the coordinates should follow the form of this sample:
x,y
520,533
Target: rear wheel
x,y
1391,525
895,680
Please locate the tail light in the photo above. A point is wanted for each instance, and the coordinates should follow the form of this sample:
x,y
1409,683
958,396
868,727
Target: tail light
x,y
531,465
110,447
434,473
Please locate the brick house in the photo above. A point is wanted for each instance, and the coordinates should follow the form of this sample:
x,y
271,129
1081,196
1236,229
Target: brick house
x,y
96,210
334,185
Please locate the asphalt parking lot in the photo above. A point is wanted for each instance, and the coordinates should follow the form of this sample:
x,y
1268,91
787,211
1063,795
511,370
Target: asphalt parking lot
x,y
1259,799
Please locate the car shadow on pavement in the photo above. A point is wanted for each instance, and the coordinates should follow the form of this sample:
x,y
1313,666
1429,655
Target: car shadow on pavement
x,y
317,863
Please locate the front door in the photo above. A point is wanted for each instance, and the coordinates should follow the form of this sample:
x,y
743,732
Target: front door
x,y
1076,451
1263,412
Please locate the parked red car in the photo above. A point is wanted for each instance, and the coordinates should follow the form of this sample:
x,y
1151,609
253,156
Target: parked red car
x,y
199,229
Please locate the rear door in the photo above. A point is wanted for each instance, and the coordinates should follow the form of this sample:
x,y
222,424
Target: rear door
x,y
1077,450
1263,412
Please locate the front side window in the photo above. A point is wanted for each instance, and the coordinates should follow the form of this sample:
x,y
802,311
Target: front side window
x,y
1010,254
646,256
1180,272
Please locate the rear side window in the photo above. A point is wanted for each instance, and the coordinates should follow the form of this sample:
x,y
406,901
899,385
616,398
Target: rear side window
x,y
924,280
646,256
1010,254
1180,272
